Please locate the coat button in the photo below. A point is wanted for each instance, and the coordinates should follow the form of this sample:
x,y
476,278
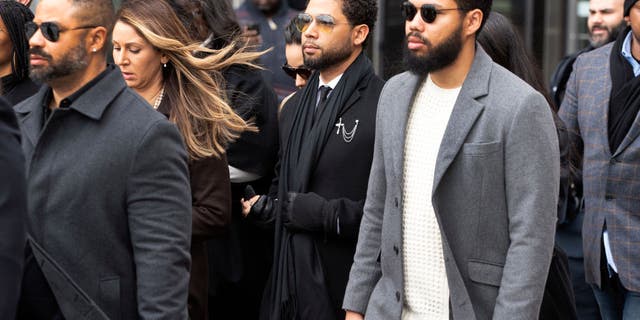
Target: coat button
x,y
397,296
396,250
396,202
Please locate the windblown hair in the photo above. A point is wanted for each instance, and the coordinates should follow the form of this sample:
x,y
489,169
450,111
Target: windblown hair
x,y
361,12
15,15
194,86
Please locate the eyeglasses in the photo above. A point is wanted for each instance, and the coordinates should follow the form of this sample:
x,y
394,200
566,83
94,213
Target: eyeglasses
x,y
324,22
301,71
50,30
428,12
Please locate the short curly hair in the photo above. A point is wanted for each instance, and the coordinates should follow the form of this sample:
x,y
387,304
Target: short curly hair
x,y
361,12
483,5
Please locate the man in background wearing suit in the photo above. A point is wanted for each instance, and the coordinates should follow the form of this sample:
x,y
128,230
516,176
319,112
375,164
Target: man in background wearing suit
x,y
460,213
605,22
13,209
109,218
601,108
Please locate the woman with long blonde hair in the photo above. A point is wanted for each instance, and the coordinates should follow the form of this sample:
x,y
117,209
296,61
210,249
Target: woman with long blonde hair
x,y
156,56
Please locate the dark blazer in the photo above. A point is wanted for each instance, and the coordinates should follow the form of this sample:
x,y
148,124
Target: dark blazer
x,y
109,204
611,179
13,210
253,99
339,182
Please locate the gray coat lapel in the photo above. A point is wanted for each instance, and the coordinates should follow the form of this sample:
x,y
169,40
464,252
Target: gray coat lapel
x,y
404,95
465,112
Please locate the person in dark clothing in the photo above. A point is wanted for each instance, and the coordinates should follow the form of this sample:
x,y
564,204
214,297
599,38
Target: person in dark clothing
x,y
14,52
604,23
326,136
241,258
155,53
298,4
109,207
501,42
13,210
263,22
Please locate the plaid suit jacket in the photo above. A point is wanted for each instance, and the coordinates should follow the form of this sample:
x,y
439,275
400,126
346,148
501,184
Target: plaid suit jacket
x,y
611,178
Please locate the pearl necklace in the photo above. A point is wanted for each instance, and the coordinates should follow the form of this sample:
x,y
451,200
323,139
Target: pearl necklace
x,y
160,95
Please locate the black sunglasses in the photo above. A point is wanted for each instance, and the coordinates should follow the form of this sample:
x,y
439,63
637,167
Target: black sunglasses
x,y
428,12
50,30
302,71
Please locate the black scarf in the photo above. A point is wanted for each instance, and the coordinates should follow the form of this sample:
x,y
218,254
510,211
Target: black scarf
x,y
624,101
296,277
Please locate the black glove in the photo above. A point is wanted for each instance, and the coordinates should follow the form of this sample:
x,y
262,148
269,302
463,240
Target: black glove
x,y
264,209
309,212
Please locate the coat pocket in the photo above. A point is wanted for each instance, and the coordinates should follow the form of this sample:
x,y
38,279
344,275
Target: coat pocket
x,y
478,149
110,296
485,272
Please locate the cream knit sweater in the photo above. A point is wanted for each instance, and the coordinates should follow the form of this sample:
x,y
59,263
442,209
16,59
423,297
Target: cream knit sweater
x,y
425,280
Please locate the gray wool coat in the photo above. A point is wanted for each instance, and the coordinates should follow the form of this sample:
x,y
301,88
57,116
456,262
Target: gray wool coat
x,y
495,193
109,216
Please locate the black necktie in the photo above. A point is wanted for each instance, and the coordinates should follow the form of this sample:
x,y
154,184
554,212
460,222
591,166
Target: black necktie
x,y
324,93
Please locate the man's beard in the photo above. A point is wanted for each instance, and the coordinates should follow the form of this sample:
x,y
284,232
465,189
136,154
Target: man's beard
x,y
328,58
72,62
613,35
437,57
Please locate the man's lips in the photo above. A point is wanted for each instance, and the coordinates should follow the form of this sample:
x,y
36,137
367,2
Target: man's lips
x,y
37,60
309,48
414,43
599,30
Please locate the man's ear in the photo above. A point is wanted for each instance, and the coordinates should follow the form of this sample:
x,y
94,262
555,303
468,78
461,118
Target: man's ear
x,y
472,22
359,34
97,39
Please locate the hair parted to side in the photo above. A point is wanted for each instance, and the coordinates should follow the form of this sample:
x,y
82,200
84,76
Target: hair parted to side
x,y
15,15
194,86
483,5
361,12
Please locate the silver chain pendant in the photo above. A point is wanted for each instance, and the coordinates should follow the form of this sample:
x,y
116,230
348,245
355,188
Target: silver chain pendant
x,y
347,136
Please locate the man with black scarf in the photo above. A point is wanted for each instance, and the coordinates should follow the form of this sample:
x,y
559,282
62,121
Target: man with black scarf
x,y
601,107
326,138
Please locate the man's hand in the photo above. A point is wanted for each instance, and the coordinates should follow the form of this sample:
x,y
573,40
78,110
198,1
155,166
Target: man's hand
x,y
353,316
247,204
